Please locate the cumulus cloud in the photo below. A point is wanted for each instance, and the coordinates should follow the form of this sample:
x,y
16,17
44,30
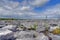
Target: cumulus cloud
x,y
38,2
52,12
14,9
25,9
8,5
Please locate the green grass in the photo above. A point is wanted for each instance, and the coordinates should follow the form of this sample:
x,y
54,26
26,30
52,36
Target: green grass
x,y
34,27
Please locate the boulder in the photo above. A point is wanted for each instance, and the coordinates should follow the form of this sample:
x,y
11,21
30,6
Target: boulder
x,y
10,27
6,34
30,35
54,37
41,36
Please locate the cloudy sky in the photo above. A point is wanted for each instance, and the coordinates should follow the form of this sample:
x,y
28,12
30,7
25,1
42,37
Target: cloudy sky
x,y
30,9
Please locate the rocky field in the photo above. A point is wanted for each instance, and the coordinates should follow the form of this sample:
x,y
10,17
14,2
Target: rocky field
x,y
29,29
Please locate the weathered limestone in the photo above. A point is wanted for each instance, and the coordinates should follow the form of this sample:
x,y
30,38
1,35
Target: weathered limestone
x,y
6,34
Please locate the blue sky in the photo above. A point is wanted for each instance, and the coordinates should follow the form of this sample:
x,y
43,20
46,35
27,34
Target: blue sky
x,y
30,9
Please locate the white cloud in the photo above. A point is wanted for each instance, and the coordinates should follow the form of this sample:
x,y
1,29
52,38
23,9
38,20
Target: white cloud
x,y
52,12
38,2
21,10
3,11
11,8
9,4
26,8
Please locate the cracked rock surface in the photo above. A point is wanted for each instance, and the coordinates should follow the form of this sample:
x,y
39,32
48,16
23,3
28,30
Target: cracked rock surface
x,y
14,32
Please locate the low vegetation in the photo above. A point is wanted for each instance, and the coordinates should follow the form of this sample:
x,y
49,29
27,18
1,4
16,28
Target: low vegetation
x,y
56,31
33,27
8,19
